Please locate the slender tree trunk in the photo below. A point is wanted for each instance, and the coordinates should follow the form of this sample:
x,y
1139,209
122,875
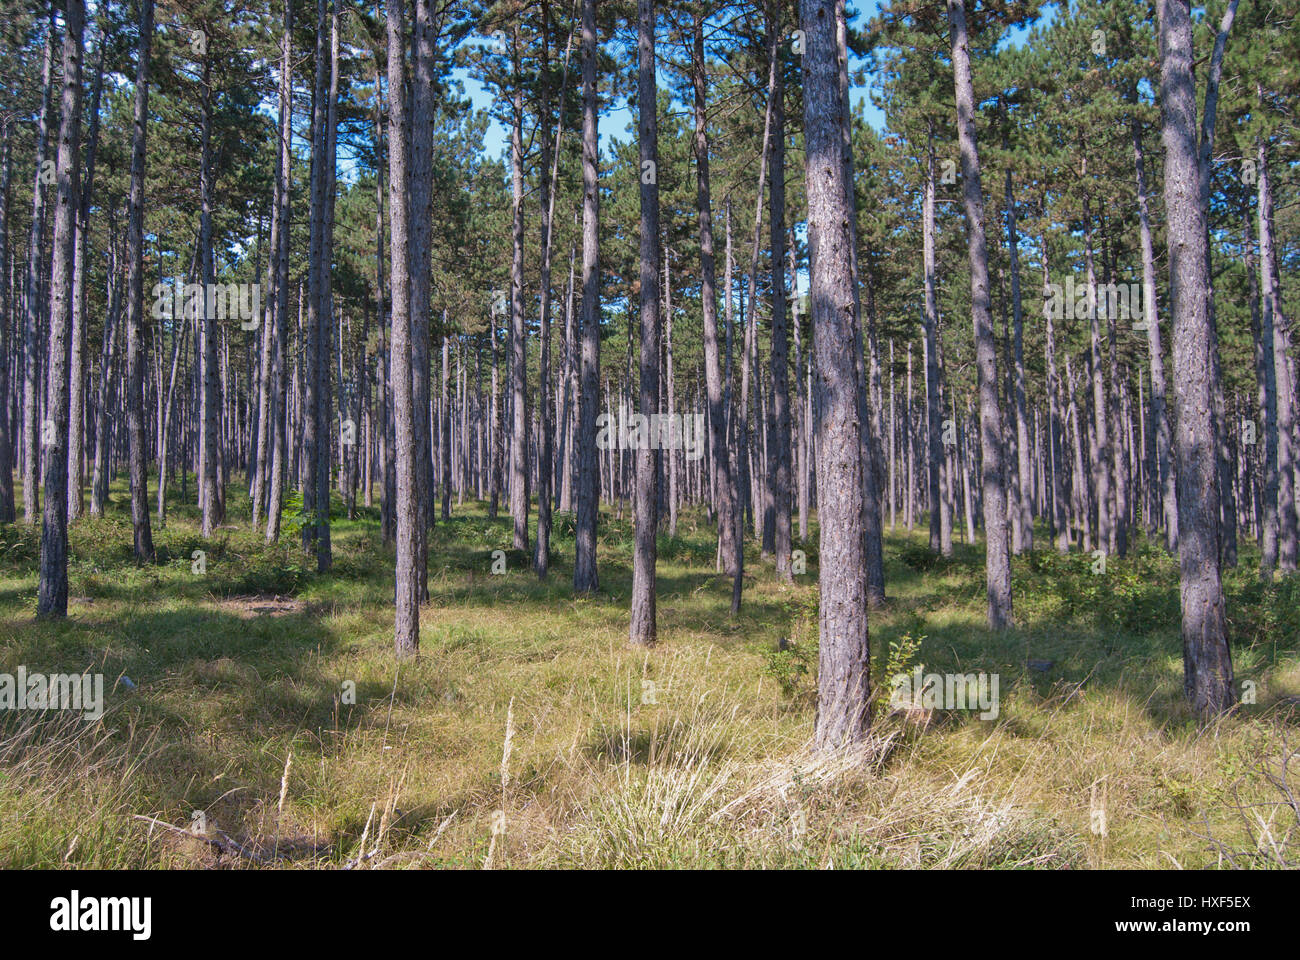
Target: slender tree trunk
x,y
135,360
642,631
934,417
420,225
778,474
406,631
209,416
1151,321
724,494
6,342
32,312
76,359
1276,321
584,567
1025,541
52,592
998,563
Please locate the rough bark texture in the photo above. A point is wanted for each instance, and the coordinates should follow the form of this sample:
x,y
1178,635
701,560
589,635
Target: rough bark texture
x,y
518,336
1207,663
646,512
32,313
135,360
843,683
52,591
1151,321
998,561
279,373
584,566
406,629
778,446
1274,319
724,495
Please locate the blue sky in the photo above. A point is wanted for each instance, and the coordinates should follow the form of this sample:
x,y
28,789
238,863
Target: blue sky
x,y
615,123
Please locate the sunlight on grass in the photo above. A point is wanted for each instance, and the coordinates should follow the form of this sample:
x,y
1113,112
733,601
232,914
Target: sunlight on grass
x,y
693,754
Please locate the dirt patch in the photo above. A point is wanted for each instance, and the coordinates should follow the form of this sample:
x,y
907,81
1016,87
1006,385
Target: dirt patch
x,y
249,608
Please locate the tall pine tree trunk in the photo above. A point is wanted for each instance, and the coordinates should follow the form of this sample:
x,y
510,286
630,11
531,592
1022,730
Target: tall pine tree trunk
x,y
998,562
584,567
406,627
646,513
52,591
1207,663
32,312
843,685
135,360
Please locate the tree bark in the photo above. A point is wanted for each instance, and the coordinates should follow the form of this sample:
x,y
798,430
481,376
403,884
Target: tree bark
x,y
646,514
843,685
584,567
135,360
1207,662
998,562
406,629
52,591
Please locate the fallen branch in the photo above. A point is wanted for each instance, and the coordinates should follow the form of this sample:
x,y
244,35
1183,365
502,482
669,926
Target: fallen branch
x,y
220,840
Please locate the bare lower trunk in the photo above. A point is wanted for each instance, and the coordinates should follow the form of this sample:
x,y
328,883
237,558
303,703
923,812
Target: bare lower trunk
x,y
998,562
52,591
642,631
135,361
1207,663
584,567
843,684
406,630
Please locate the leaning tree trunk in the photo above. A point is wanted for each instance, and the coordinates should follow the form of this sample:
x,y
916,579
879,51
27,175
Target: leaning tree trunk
x,y
998,562
646,512
1207,662
843,684
52,591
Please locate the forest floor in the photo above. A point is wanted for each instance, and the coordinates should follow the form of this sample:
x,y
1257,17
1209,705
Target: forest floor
x,y
228,686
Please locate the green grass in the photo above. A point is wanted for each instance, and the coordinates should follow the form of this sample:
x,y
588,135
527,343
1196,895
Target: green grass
x,y
254,660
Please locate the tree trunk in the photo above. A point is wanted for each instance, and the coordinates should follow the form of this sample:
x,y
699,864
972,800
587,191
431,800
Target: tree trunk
x,y
584,567
1275,319
135,360
1207,662
32,313
843,685
934,417
642,631
52,592
998,563
406,629
76,358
